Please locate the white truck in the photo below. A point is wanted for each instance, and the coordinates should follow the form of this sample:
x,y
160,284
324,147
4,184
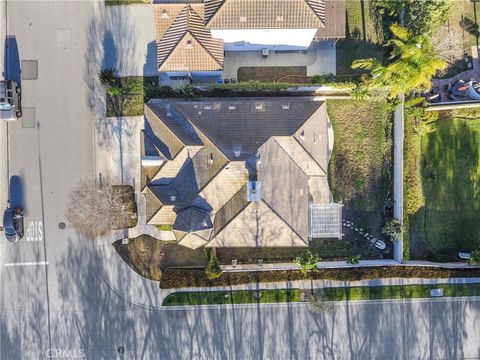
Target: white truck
x,y
10,101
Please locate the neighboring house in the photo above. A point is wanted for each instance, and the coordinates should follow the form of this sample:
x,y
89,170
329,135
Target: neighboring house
x,y
273,24
239,172
193,35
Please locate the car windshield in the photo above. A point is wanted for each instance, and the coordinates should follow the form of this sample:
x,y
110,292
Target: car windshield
x,y
5,107
9,232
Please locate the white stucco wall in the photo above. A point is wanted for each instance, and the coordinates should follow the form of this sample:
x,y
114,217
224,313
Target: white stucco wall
x,y
274,39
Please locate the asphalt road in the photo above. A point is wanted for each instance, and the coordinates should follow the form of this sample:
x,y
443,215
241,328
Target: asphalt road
x,y
53,305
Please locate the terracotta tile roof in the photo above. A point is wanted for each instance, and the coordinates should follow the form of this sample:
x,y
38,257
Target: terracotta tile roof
x,y
264,14
184,44
335,20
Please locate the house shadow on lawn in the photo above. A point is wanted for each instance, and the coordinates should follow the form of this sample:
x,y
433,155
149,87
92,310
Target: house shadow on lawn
x,y
448,223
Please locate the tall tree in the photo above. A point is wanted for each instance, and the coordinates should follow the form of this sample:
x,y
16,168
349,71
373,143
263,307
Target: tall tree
x,y
413,64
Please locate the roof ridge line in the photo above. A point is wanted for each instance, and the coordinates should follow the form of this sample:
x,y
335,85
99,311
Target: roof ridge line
x,y
308,154
215,13
200,41
283,220
233,217
311,8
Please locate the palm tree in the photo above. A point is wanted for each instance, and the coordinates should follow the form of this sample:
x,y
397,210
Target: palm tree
x,y
414,63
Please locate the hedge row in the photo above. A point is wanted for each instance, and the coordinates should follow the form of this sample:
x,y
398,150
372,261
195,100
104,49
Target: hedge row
x,y
179,278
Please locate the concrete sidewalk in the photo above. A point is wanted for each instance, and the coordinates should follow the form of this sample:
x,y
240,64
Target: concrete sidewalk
x,y
139,291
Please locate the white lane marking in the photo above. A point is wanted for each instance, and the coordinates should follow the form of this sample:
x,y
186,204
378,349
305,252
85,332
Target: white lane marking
x,y
34,231
27,263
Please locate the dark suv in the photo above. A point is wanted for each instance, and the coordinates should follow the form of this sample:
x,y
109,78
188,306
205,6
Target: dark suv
x,y
13,224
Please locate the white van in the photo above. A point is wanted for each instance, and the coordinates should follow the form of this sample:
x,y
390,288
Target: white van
x,y
10,101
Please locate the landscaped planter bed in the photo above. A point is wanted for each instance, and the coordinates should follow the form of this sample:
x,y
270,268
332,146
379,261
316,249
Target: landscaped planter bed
x,y
178,278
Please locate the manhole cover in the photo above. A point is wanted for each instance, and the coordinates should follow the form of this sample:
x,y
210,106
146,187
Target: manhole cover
x,y
62,225
121,350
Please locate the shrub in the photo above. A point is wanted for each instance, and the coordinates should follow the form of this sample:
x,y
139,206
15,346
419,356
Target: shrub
x,y
213,269
474,257
392,229
178,278
353,259
107,77
307,262
114,91
164,227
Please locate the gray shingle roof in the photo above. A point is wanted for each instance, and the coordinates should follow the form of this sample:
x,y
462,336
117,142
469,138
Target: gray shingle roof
x,y
239,126
192,219
283,145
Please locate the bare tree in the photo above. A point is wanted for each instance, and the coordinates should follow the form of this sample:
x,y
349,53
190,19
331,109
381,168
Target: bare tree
x,y
94,210
319,304
448,43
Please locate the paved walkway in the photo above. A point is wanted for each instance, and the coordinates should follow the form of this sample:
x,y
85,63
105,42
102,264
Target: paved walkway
x,y
142,292
398,135
473,74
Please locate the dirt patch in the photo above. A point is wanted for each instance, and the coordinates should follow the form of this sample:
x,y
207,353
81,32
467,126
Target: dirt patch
x,y
149,257
269,73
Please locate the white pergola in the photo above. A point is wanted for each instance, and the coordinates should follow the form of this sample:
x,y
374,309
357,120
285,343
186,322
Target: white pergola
x,y
325,220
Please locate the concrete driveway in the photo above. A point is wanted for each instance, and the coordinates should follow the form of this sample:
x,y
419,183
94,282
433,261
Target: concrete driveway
x,y
130,40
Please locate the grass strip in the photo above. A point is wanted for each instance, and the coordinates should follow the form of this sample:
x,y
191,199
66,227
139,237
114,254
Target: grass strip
x,y
398,292
232,297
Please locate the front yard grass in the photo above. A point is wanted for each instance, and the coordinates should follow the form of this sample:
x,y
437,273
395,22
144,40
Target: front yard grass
x,y
233,297
364,36
149,257
450,173
398,292
360,167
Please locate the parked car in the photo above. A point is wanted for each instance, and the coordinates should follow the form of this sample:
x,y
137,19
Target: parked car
x,y
13,224
10,100
464,255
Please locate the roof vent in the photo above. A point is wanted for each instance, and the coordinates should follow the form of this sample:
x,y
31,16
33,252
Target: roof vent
x,y
258,160
285,106
243,19
302,135
173,198
254,192
169,113
164,13
189,44
210,159
279,18
231,107
237,153
207,107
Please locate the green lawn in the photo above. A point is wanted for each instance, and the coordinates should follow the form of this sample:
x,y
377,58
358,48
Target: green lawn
x,y
364,36
232,297
360,168
464,14
398,292
450,161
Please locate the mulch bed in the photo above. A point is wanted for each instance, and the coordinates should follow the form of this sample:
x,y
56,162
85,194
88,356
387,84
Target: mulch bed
x,y
177,278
